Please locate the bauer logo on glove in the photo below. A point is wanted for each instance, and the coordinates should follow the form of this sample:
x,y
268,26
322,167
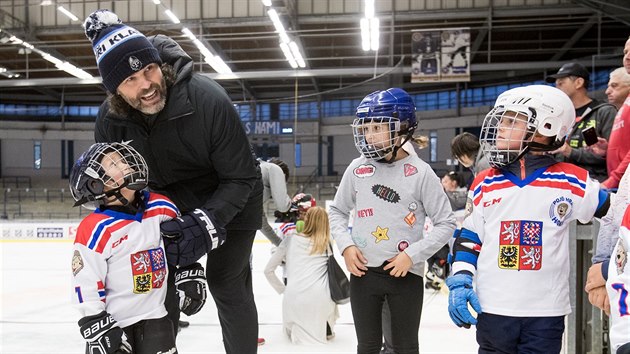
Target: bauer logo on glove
x,y
191,285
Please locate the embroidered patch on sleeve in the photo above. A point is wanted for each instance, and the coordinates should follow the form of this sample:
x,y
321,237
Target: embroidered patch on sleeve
x,y
77,262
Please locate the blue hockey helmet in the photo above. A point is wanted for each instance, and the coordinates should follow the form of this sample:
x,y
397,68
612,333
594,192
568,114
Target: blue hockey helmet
x,y
394,107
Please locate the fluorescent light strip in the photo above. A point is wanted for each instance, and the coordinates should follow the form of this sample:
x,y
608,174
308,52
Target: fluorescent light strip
x,y
67,13
157,2
296,54
8,73
369,8
374,33
60,64
288,55
213,60
172,16
266,2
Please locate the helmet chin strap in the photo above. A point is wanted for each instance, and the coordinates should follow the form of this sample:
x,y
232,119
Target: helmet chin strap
x,y
397,147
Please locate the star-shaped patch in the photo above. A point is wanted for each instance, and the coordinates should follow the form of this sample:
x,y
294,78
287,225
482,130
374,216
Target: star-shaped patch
x,y
381,234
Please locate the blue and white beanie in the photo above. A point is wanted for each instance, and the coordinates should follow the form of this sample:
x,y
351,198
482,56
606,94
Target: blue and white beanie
x,y
120,50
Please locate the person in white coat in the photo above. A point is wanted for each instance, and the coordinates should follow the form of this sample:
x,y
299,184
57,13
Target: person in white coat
x,y
308,312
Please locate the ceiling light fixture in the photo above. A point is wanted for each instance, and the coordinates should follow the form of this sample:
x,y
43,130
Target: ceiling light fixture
x,y
8,73
211,59
172,16
69,14
60,64
370,28
289,48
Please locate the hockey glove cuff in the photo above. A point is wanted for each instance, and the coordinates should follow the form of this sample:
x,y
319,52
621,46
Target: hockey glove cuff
x,y
191,285
190,236
102,335
461,293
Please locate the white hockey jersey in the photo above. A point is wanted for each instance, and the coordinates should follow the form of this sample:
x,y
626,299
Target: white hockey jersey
x,y
618,285
523,265
119,263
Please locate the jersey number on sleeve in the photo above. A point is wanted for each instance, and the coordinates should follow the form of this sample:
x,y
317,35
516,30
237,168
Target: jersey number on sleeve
x,y
623,296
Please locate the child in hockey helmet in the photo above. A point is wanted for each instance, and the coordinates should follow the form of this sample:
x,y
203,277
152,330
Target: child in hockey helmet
x,y
108,174
385,121
523,121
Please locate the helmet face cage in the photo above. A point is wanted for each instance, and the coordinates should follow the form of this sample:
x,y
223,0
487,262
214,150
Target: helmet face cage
x,y
375,137
506,133
105,169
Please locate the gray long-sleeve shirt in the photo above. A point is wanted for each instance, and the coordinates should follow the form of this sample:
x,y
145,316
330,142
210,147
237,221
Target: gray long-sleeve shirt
x,y
275,185
389,203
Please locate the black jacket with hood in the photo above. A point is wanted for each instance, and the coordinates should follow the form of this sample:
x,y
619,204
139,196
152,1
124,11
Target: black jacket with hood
x,y
196,148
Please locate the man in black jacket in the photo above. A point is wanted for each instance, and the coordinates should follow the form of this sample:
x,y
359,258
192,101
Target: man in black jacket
x,y
185,126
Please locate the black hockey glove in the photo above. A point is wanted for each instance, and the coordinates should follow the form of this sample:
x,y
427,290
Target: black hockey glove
x,y
190,236
102,336
191,285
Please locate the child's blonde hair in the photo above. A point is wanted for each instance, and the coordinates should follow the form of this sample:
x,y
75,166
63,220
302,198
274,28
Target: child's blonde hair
x,y
317,228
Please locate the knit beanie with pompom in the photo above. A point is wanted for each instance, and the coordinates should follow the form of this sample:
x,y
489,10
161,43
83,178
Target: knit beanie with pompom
x,y
120,50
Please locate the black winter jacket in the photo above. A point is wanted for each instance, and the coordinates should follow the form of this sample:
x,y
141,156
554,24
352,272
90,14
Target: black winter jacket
x,y
196,149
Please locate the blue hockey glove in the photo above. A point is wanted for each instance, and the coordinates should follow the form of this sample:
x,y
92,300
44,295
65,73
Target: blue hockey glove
x,y
191,285
461,293
190,236
102,336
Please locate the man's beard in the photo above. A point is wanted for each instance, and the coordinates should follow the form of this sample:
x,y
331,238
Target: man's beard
x,y
138,104
120,107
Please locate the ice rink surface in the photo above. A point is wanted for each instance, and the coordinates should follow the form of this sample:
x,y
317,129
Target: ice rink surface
x,y
36,315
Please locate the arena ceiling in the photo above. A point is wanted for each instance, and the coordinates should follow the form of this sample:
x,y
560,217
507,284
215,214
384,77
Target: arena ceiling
x,y
511,41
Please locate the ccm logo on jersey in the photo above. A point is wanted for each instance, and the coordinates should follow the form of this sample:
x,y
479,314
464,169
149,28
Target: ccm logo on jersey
x,y
119,241
491,202
364,171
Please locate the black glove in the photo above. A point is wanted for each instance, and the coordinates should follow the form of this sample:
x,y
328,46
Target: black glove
x,y
191,285
190,236
102,336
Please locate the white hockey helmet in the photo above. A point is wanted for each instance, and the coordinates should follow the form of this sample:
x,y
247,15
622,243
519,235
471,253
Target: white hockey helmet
x,y
548,112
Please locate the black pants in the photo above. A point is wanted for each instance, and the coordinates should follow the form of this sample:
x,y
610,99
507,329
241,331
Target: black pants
x,y
230,284
151,336
404,297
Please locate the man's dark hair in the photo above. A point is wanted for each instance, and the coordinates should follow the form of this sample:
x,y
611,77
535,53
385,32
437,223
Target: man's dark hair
x,y
283,166
119,107
465,144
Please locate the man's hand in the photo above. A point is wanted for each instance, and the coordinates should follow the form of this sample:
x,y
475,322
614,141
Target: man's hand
x,y
399,265
600,148
594,277
191,285
190,236
355,262
565,150
598,297
103,336
461,293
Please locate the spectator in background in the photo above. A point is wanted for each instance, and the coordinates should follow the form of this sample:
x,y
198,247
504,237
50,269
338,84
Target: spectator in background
x,y
455,188
308,312
573,79
466,149
618,87
275,175
618,150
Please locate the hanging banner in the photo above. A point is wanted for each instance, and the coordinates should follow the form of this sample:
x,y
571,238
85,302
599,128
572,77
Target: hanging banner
x,y
440,55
